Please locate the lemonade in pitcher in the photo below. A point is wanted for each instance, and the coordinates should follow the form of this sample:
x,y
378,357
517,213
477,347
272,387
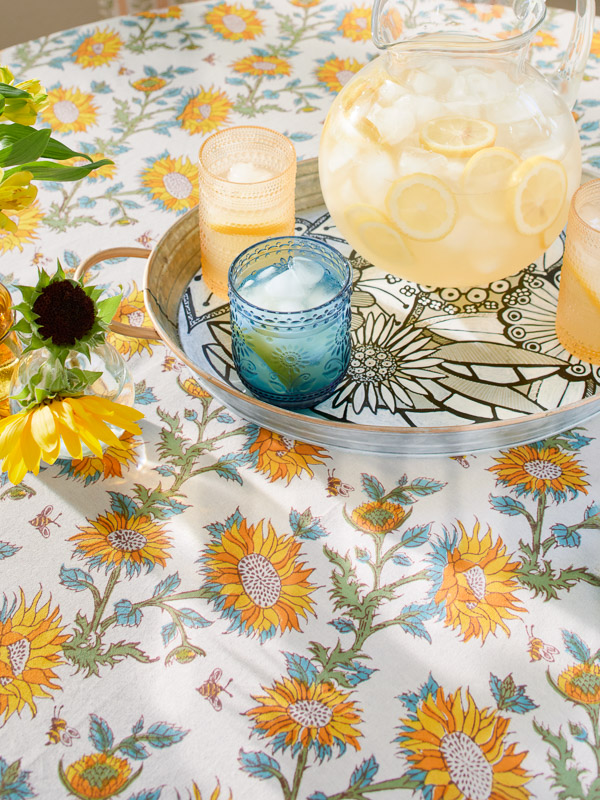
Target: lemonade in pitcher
x,y
449,160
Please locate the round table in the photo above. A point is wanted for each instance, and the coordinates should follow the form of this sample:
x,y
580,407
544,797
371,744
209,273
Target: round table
x,y
218,611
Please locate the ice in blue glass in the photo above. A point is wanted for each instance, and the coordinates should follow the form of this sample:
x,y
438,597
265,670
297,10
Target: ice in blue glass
x,y
290,319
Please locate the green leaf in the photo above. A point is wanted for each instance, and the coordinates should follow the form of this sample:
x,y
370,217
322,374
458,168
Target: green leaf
x,y
565,777
11,773
26,149
345,592
49,171
107,308
12,91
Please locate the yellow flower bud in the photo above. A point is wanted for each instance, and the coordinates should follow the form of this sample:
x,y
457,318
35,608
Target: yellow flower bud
x,y
16,191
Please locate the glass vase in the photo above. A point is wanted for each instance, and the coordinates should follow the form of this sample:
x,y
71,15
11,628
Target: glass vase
x,y
10,348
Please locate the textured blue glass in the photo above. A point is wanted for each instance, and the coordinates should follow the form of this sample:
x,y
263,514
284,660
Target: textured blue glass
x,y
293,359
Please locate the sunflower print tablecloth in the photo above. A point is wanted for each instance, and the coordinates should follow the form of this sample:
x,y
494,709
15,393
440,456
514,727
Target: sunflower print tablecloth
x,y
218,611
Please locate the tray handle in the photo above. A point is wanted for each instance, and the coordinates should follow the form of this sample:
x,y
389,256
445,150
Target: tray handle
x,y
119,252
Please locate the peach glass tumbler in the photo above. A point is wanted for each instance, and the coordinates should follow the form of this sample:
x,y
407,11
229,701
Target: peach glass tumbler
x,y
578,312
247,181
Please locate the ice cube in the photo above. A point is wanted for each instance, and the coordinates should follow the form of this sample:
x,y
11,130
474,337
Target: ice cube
x,y
283,285
374,175
441,70
307,272
426,108
515,107
247,172
421,83
416,159
319,295
389,92
394,123
341,152
590,213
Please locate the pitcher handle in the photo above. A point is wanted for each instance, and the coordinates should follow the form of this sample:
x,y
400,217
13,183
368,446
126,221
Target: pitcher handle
x,y
569,73
119,328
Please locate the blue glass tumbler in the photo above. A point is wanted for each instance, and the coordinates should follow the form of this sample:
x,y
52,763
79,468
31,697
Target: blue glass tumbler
x,y
292,359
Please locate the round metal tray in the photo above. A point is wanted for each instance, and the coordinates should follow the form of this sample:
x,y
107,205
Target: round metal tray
x,y
433,372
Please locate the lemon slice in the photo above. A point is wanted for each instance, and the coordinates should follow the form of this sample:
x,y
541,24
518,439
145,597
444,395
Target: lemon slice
x,y
485,179
540,188
457,137
379,239
422,207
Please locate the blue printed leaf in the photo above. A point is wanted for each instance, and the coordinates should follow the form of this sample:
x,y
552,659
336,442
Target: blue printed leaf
x,y
305,526
167,632
226,467
363,774
301,668
425,486
162,734
259,765
317,796
507,505
147,794
167,585
509,696
165,470
225,418
75,579
71,258
101,735
591,511
372,486
576,646
357,673
402,559
192,619
168,507
126,614
7,550
565,537
343,625
137,728
121,504
415,537
133,749
411,619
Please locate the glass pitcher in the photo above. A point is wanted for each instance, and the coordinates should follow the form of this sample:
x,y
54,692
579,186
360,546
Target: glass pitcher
x,y
449,160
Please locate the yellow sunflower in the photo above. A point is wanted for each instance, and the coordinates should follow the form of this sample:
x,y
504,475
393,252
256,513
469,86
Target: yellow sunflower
x,y
30,436
494,11
97,776
297,715
193,388
475,580
205,112
69,110
232,21
152,83
544,39
172,183
113,463
581,683
27,224
539,470
31,640
172,12
97,49
132,311
257,581
336,72
262,65
356,24
376,516
282,458
459,751
305,3
115,538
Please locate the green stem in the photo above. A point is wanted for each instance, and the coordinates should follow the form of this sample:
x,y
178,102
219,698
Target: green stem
x,y
298,773
537,529
359,792
101,606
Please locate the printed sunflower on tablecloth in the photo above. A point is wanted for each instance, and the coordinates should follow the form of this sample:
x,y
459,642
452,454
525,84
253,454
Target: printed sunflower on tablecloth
x,y
63,402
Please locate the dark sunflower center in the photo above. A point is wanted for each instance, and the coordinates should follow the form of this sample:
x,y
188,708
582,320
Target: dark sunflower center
x,y
65,312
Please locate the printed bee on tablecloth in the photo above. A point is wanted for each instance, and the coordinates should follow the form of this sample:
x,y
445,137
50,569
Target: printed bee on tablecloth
x,y
335,486
42,520
538,649
211,689
60,731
